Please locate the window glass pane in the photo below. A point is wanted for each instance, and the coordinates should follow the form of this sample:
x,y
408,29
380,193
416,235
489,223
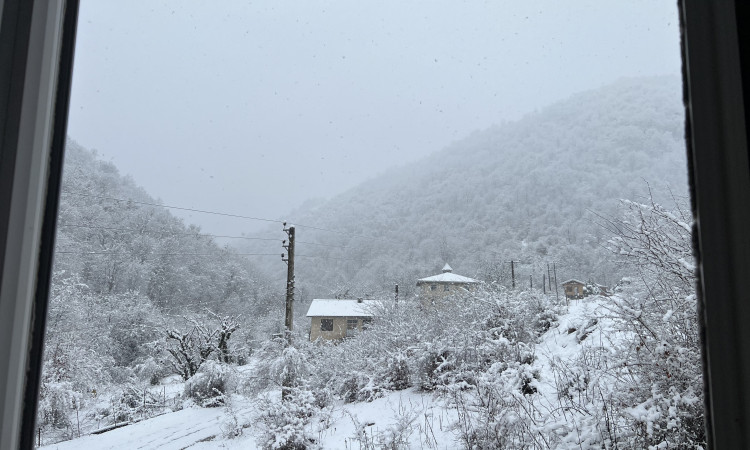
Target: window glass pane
x,y
237,170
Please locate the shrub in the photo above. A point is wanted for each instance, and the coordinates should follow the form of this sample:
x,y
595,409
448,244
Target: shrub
x,y
210,386
284,424
55,403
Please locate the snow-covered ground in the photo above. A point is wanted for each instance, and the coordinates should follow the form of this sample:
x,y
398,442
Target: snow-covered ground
x,y
421,419
177,430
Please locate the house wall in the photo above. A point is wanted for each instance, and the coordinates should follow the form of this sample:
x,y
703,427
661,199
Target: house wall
x,y
428,296
573,290
339,328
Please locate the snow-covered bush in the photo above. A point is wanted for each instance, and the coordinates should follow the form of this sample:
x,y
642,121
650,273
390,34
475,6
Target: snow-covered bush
x,y
151,371
666,401
210,386
280,364
199,338
394,437
231,427
285,425
396,372
55,403
496,413
639,385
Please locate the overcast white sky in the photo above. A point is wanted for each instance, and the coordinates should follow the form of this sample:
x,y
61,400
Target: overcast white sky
x,y
253,107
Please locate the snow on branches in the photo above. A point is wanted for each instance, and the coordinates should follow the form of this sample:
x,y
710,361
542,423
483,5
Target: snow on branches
x,y
190,346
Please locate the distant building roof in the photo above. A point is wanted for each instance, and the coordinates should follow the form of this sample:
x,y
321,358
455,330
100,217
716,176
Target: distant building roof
x,y
342,308
447,268
447,277
572,281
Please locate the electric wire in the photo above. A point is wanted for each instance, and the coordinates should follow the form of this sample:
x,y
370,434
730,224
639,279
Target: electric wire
x,y
81,252
97,227
322,245
180,233
238,216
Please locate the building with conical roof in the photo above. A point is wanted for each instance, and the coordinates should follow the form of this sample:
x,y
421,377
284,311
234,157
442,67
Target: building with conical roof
x,y
443,285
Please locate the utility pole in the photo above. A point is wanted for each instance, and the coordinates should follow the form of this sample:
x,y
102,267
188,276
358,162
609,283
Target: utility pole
x,y
289,260
397,294
544,284
557,296
531,282
549,278
286,383
513,273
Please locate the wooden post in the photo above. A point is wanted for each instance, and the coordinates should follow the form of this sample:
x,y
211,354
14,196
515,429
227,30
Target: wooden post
x,y
289,306
531,283
286,383
513,273
549,278
544,284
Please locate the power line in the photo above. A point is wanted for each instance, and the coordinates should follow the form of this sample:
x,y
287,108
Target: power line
x,y
67,252
168,232
178,233
79,252
323,245
340,232
203,211
330,257
99,227
173,207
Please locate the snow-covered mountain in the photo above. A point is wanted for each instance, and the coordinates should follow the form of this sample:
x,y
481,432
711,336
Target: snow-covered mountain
x,y
526,191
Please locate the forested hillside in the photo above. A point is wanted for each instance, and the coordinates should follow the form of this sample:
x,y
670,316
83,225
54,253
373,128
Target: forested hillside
x,y
527,191
117,246
136,296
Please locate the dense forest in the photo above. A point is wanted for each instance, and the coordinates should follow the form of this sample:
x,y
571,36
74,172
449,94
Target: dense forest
x,y
529,191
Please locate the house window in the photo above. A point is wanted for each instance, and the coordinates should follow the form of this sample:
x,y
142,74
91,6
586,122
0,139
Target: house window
x,y
352,324
326,324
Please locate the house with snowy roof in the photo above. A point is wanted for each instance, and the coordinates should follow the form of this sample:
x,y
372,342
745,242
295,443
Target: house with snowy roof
x,y
573,288
335,319
443,285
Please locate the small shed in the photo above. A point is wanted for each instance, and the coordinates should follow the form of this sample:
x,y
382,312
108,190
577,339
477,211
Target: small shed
x,y
334,319
573,288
